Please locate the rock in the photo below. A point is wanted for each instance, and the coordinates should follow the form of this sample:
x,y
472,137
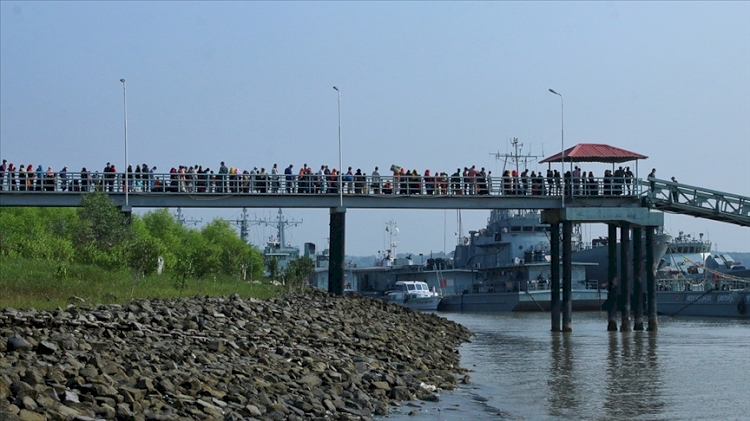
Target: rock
x,y
31,416
68,411
4,389
29,403
17,343
304,356
46,348
70,397
253,410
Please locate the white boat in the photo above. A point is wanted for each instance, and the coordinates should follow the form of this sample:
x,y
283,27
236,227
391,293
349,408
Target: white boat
x,y
413,294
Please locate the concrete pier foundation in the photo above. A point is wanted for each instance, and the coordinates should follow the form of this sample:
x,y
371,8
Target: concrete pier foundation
x,y
567,278
637,278
620,290
613,295
625,280
555,285
653,321
337,248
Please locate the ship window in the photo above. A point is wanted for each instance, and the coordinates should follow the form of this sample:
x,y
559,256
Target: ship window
x,y
528,229
515,229
540,228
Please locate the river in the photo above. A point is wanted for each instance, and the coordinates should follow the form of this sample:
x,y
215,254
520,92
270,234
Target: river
x,y
691,369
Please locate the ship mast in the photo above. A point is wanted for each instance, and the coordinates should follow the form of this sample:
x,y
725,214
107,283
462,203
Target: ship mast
x,y
392,230
281,223
516,157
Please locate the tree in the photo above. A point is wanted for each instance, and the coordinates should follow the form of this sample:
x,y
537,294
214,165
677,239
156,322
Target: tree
x,y
102,232
298,272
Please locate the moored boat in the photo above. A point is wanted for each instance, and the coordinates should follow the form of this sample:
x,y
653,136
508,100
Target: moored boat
x,y
413,294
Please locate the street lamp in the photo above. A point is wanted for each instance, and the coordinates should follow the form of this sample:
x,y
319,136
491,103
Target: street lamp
x,y
562,141
125,104
341,169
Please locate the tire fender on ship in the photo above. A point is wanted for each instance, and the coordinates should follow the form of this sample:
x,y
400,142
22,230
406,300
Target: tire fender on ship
x,y
741,306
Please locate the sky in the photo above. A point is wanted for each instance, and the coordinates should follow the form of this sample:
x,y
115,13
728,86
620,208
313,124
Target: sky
x,y
424,85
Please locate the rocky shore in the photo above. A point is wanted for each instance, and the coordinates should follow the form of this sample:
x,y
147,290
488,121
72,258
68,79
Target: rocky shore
x,y
309,356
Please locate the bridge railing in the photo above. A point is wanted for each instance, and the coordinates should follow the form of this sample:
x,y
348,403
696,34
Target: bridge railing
x,y
266,184
663,193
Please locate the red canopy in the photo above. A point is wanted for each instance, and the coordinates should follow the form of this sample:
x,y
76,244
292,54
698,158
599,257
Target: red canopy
x,y
595,152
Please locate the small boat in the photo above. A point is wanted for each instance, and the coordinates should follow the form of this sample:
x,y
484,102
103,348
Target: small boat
x,y
413,294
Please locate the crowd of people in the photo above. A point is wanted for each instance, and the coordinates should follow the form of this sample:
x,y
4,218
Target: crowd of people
x,y
227,180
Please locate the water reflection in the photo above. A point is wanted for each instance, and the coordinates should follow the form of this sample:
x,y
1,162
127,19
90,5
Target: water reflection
x,y
692,369
564,395
633,378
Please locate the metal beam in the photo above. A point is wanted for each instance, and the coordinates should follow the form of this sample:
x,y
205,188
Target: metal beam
x,y
321,201
582,215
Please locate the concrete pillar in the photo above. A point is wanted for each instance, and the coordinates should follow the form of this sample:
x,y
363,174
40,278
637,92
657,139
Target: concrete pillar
x,y
567,302
127,211
337,247
653,321
612,283
625,279
555,285
637,278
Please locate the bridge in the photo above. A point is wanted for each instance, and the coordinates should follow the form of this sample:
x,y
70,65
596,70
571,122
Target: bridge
x,y
668,196
311,191
619,202
385,192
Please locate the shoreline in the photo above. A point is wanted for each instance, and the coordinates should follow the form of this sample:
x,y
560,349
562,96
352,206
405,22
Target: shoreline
x,y
305,356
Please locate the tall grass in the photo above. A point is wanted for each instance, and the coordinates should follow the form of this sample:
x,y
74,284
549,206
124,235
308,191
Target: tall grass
x,y
46,285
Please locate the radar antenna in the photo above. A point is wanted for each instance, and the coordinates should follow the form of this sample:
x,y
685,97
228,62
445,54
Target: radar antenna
x,y
516,157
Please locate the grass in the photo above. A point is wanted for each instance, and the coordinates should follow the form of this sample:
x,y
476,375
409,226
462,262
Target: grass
x,y
47,285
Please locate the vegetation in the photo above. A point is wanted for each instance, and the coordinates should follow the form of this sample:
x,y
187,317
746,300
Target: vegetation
x,y
50,256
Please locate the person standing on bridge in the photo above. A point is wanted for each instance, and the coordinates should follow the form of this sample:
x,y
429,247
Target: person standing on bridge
x,y
675,191
629,181
375,180
652,180
223,171
275,179
3,177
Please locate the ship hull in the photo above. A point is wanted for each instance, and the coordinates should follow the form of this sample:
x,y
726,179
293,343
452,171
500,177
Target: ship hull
x,y
582,300
599,255
704,304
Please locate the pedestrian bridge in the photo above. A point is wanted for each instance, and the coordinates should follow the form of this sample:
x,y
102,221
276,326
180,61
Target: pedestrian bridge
x,y
696,201
385,192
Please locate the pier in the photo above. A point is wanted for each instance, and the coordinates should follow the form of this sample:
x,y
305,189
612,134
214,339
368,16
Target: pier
x,y
634,206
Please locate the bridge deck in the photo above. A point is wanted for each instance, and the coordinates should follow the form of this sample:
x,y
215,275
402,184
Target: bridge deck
x,y
384,192
493,193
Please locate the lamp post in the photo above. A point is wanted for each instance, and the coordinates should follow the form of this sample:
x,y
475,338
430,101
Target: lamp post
x,y
125,105
562,141
341,169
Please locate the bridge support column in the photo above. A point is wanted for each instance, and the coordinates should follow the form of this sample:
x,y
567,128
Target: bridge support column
x,y
638,278
336,262
567,302
653,321
555,285
127,211
612,284
625,281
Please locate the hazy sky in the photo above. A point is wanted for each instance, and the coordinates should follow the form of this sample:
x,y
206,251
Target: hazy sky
x,y
423,85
